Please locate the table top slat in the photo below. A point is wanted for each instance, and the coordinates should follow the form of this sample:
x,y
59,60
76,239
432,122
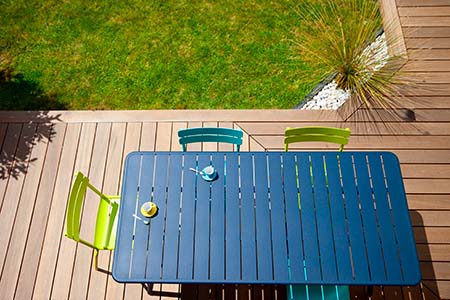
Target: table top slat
x,y
170,251
249,254
263,232
125,227
278,219
233,220
217,249
323,217
293,221
138,269
186,247
402,222
154,258
202,223
305,202
341,244
356,234
388,240
370,223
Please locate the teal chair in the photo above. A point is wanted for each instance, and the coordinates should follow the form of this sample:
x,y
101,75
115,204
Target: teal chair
x,y
210,134
106,223
318,292
317,134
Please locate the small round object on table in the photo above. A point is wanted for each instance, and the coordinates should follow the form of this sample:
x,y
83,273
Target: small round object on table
x,y
209,173
149,209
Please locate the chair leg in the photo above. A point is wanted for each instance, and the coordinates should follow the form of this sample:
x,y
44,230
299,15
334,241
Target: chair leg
x,y
369,291
96,259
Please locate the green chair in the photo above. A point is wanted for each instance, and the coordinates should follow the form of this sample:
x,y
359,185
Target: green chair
x,y
316,134
210,134
106,225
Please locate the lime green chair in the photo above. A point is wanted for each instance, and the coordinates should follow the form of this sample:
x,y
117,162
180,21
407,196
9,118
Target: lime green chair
x,y
316,134
105,227
210,134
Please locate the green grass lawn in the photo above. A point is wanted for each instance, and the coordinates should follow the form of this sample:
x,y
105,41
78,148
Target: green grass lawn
x,y
144,54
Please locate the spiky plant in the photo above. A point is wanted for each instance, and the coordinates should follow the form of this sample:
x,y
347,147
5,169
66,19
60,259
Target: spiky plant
x,y
335,39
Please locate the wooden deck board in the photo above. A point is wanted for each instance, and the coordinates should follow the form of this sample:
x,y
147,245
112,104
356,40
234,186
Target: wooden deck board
x,y
421,3
431,235
424,11
420,75
68,248
420,186
385,128
421,102
132,143
425,21
164,116
7,157
365,143
427,66
111,186
35,239
431,218
14,190
97,282
439,287
429,54
55,221
440,252
426,32
426,171
27,200
428,201
420,115
428,43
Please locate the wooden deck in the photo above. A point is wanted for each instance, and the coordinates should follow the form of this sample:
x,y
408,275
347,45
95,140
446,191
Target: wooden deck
x,y
40,152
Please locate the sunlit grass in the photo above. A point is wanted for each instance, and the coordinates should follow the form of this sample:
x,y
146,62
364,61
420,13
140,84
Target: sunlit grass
x,y
152,54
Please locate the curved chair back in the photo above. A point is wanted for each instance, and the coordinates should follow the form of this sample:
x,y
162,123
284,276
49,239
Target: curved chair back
x,y
105,227
73,214
316,134
322,292
210,134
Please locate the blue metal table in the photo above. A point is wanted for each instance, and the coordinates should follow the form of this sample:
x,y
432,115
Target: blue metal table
x,y
269,218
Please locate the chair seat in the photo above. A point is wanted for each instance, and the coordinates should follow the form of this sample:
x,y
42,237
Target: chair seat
x,y
318,292
112,238
106,227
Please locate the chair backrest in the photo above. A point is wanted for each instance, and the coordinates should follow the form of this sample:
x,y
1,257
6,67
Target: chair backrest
x,y
316,134
107,211
321,292
210,134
